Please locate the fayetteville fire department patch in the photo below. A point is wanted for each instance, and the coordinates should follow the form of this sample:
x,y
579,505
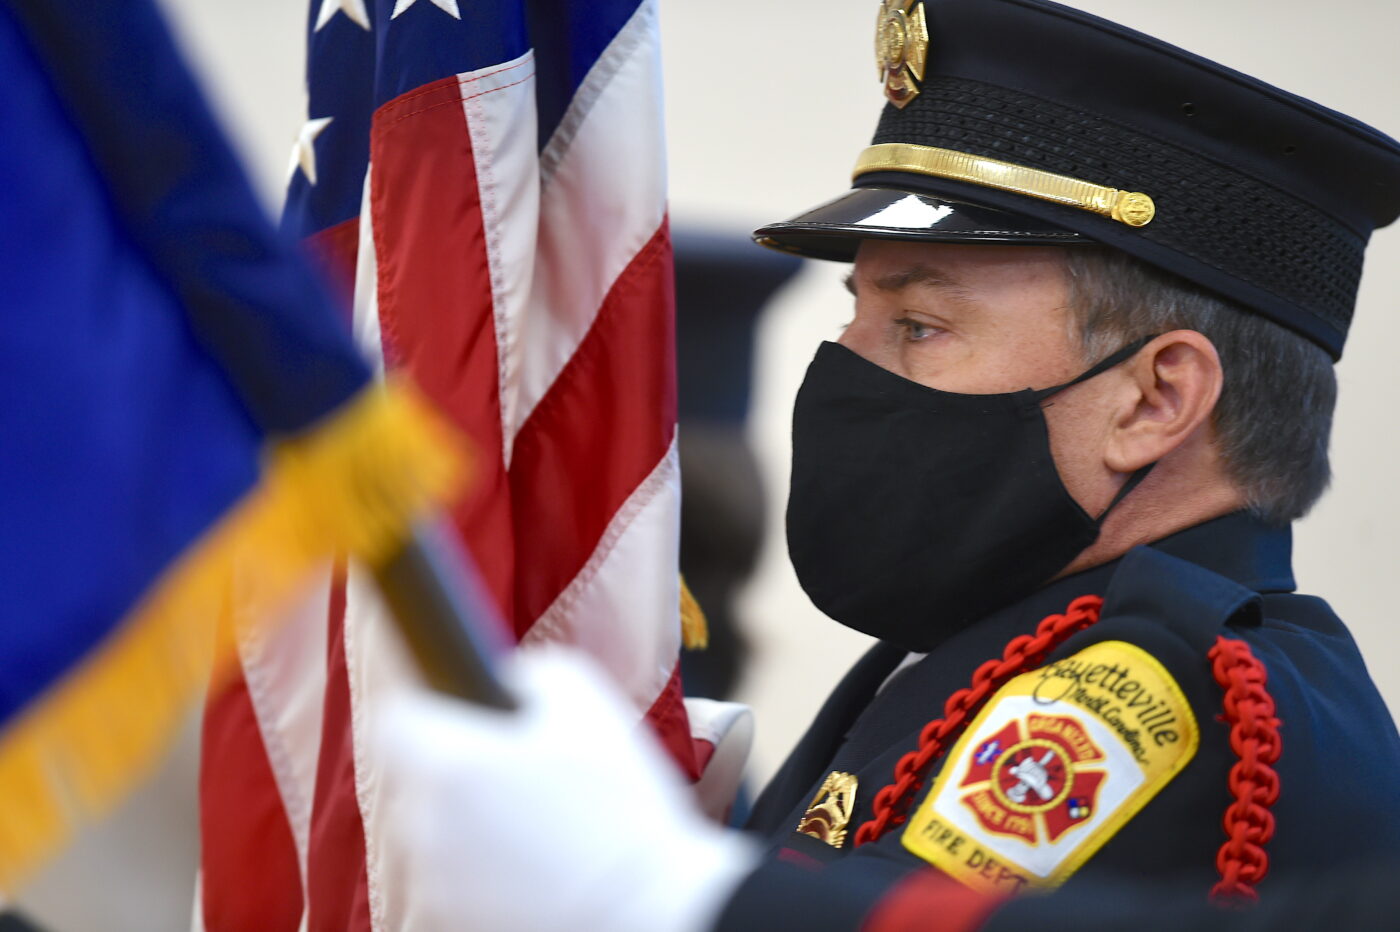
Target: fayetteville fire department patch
x,y
1052,767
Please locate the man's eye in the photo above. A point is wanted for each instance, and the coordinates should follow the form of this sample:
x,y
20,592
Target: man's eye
x,y
914,330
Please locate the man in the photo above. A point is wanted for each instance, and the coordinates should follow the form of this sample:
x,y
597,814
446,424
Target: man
x,y
1099,282
1051,465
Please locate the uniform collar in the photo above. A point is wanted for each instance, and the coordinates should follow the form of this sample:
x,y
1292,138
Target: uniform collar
x,y
1239,547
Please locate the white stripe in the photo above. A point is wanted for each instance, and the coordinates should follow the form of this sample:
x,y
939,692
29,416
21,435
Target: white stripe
x,y
373,655
622,606
377,663
284,666
368,333
197,917
499,106
604,199
364,614
640,30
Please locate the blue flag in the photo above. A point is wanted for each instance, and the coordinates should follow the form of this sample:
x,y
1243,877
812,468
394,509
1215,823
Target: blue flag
x,y
179,403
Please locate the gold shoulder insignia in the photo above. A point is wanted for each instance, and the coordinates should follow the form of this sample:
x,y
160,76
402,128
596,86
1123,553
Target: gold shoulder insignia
x,y
831,809
1052,767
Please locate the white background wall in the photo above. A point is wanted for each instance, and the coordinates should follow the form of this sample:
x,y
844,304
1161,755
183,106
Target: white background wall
x,y
769,101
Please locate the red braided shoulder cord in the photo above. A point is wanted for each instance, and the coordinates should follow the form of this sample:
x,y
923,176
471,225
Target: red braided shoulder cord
x,y
1025,652
1254,736
1249,710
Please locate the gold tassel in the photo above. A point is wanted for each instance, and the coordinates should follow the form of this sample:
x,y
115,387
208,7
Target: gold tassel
x,y
353,484
695,633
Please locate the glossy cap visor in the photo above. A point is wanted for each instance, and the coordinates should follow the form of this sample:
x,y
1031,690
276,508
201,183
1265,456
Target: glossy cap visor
x,y
834,230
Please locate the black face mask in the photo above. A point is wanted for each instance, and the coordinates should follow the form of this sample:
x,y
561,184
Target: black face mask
x,y
914,511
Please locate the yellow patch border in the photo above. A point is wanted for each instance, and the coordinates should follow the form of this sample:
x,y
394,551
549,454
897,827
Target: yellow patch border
x,y
1125,811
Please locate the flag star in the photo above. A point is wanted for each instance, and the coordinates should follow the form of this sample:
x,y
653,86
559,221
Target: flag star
x,y
304,151
447,6
353,9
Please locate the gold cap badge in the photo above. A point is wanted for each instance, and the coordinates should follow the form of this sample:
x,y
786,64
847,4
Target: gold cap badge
x,y
901,48
831,809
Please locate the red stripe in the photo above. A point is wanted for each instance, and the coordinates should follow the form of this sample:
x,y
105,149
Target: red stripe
x,y
337,881
334,251
930,900
703,752
672,726
248,858
799,858
599,431
435,297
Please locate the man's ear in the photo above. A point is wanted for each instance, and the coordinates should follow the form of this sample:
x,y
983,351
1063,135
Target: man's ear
x,y
1174,383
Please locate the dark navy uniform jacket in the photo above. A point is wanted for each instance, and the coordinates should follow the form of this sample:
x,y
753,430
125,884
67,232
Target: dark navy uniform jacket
x,y
1339,770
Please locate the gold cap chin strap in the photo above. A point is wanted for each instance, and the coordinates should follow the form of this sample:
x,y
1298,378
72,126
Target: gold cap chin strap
x,y
1129,207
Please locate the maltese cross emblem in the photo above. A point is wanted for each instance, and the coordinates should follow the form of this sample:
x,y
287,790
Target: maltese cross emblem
x,y
1035,779
901,48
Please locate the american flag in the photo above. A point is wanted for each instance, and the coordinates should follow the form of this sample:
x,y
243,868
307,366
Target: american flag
x,y
487,180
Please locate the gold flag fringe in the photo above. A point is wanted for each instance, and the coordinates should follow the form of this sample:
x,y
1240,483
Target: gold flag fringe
x,y
695,632
352,484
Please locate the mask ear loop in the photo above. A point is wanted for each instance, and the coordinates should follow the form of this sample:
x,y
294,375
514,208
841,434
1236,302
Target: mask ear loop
x,y
1108,362
1100,367
1133,482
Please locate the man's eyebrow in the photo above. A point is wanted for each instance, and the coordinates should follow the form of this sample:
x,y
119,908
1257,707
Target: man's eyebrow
x,y
914,275
919,275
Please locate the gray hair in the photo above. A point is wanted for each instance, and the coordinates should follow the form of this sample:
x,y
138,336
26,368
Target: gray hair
x,y
1274,415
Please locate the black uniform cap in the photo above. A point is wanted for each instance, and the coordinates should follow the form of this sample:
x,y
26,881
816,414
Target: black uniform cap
x,y
1031,122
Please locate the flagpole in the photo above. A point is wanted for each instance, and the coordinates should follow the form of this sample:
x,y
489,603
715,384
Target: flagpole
x,y
444,617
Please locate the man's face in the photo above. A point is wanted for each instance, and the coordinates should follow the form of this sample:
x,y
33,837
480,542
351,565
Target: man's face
x,y
970,319
979,320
